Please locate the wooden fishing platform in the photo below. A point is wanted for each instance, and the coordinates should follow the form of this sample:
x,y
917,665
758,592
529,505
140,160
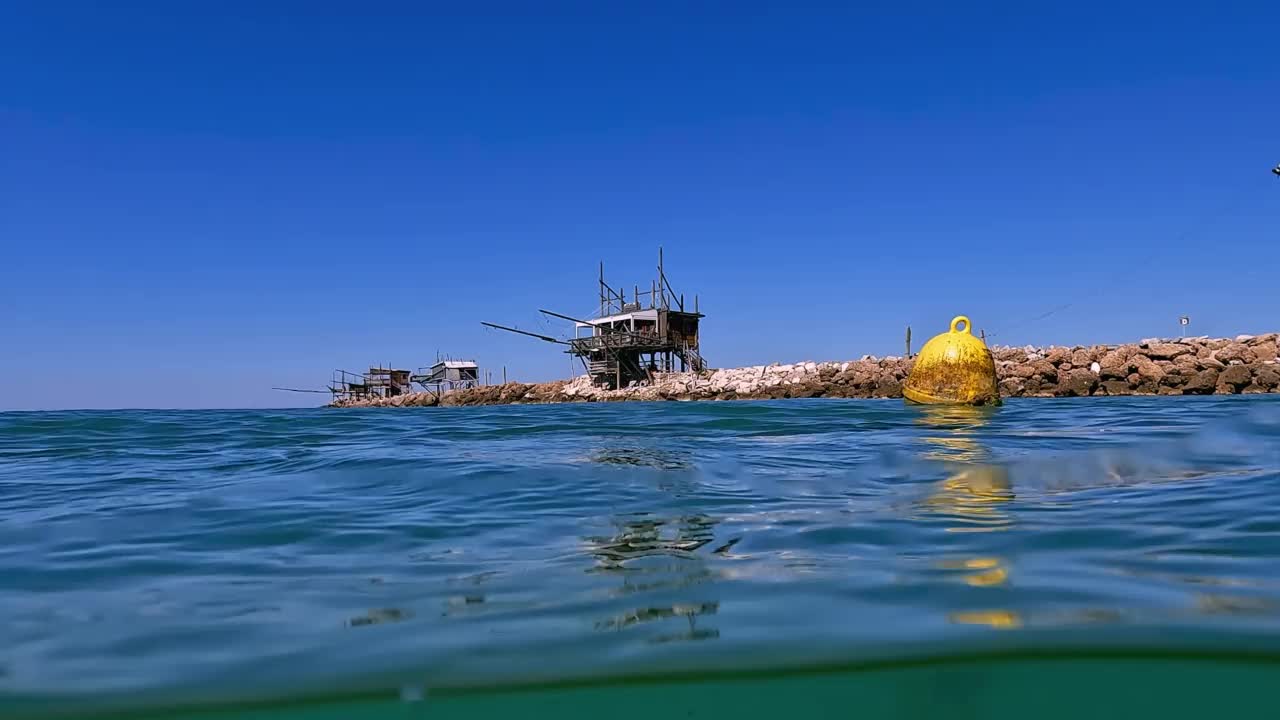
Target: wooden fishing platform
x,y
632,339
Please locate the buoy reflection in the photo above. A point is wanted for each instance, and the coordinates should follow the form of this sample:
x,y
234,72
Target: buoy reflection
x,y
976,491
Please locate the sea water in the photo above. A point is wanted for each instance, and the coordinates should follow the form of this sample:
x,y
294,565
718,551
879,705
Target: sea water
x,y
1114,557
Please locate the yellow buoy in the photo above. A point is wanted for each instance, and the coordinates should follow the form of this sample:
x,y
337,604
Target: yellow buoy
x,y
954,367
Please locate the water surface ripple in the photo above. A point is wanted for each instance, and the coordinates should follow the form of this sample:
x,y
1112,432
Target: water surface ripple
x,y
263,552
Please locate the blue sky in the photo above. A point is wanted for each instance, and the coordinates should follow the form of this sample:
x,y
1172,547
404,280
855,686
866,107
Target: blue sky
x,y
199,201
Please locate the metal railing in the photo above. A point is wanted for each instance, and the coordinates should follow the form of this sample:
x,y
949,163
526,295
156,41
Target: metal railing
x,y
691,357
616,340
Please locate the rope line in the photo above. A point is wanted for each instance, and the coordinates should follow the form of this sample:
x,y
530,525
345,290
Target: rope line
x,y
1231,203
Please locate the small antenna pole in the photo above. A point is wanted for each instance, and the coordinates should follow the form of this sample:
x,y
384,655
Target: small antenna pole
x,y
662,275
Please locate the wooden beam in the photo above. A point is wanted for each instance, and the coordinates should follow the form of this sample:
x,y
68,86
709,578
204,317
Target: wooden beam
x,y
525,332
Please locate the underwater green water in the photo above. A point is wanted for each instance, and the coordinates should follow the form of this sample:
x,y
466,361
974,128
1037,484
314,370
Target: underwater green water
x,y
1110,557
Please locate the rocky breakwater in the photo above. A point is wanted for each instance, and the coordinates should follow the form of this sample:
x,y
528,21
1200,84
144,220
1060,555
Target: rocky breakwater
x,y
865,378
506,394
1188,366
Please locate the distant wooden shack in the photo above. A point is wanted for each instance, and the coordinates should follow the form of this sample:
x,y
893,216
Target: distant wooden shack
x,y
377,382
632,339
449,374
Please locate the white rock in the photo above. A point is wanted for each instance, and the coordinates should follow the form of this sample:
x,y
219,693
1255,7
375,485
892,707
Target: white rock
x,y
1095,367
